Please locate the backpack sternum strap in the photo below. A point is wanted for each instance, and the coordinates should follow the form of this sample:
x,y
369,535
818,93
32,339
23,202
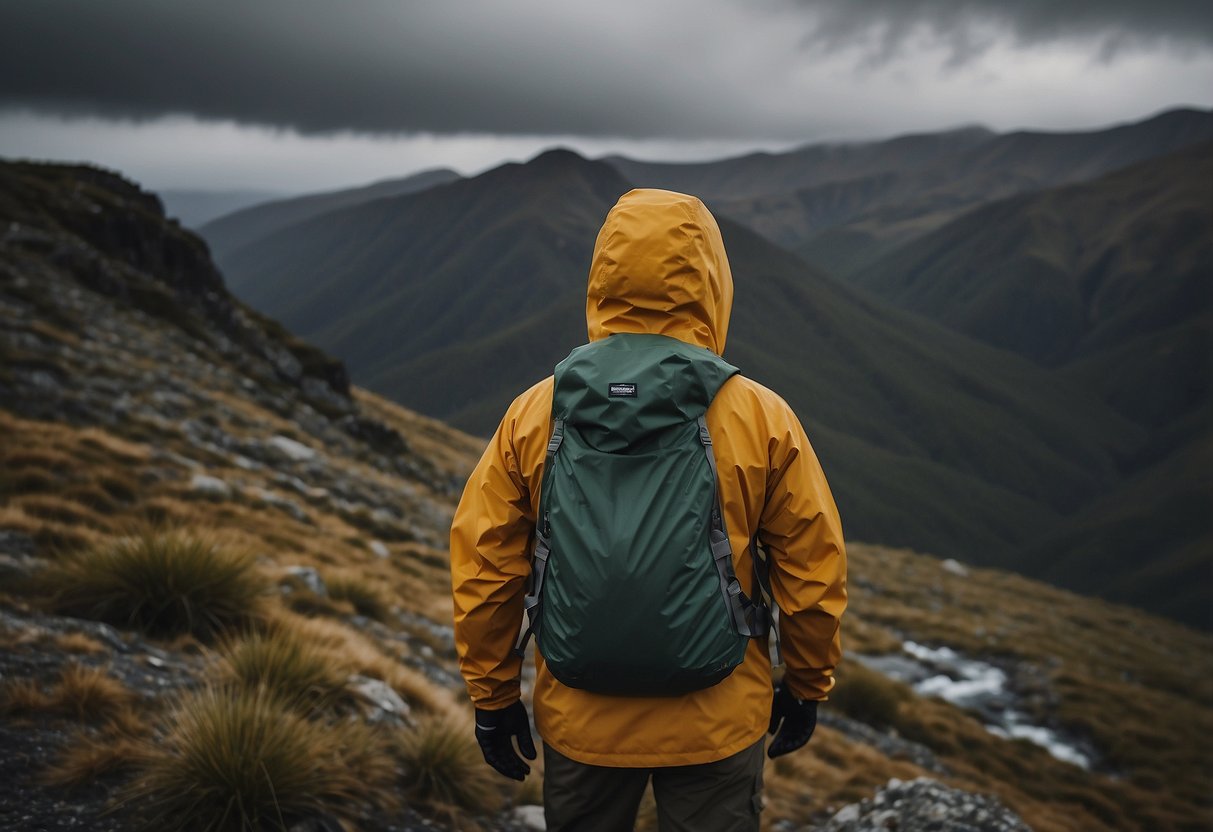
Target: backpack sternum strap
x,y
750,620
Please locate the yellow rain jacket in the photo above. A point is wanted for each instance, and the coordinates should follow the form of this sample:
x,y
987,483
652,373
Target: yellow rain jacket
x,y
659,266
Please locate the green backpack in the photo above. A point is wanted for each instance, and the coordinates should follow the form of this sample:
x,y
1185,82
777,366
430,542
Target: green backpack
x,y
632,589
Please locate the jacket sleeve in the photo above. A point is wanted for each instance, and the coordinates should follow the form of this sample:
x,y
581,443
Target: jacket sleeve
x,y
490,564
802,533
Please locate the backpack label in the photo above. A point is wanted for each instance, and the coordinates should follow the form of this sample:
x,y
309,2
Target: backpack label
x,y
621,390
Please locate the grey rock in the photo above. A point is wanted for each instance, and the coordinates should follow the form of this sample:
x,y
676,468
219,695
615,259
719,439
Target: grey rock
x,y
925,805
383,703
529,817
308,577
290,449
209,486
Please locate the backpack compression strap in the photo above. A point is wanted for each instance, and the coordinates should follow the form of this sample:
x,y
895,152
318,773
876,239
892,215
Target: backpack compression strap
x,y
750,619
543,547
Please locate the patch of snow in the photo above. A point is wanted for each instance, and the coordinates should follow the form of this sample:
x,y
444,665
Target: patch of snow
x,y
1015,727
380,549
976,686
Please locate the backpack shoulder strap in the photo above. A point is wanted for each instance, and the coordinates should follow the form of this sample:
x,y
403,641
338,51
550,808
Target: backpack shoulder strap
x,y
543,544
749,619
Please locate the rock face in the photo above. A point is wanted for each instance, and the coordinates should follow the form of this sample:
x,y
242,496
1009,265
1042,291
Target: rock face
x,y
925,805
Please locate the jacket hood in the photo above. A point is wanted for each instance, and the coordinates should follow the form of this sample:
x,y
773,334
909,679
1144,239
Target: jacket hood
x,y
659,267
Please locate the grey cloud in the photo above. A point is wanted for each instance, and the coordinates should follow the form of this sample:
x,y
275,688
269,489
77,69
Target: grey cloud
x,y
680,68
1115,26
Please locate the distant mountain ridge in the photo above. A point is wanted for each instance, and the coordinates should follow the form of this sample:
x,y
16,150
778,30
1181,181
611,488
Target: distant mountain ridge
x,y
868,197
456,299
231,231
194,207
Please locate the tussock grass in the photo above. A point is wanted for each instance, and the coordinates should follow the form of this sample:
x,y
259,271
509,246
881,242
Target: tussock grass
x,y
366,597
354,652
443,768
60,510
244,760
80,643
283,664
868,696
88,757
82,693
164,582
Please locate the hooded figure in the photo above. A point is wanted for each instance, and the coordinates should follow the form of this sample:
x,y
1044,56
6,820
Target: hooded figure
x,y
659,267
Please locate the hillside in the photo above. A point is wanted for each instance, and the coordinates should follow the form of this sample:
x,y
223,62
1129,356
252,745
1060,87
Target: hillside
x,y
1067,273
232,230
1111,281
144,410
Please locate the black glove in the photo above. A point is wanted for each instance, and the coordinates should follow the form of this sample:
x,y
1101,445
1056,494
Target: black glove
x,y
799,718
494,732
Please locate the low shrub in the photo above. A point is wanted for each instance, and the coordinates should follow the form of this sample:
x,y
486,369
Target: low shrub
x,y
444,769
244,760
164,582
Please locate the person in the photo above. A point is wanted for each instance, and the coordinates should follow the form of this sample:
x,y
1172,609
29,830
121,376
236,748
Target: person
x,y
658,267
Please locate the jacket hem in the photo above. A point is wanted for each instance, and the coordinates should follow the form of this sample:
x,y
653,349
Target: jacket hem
x,y
655,759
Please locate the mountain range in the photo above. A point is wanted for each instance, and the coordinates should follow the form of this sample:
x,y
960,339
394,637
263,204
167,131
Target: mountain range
x,y
934,435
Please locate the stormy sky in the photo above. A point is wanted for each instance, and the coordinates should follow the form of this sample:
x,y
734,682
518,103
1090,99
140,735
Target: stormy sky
x,y
303,94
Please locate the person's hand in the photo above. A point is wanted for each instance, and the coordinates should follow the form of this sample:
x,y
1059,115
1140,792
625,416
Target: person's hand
x,y
496,730
799,718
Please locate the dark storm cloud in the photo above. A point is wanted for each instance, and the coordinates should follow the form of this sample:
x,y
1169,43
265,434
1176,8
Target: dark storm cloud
x,y
968,25
706,68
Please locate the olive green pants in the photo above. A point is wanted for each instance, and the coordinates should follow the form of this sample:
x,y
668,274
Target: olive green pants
x,y
724,796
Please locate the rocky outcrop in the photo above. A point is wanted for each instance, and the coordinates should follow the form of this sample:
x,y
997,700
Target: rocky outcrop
x,y
925,805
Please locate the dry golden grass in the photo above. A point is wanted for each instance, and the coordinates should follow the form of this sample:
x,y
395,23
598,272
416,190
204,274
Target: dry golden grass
x,y
367,597
452,452
81,693
1139,687
60,510
165,582
89,756
79,643
830,772
243,760
868,696
355,653
278,661
444,770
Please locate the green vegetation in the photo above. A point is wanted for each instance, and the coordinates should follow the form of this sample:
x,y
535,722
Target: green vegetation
x,y
164,582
